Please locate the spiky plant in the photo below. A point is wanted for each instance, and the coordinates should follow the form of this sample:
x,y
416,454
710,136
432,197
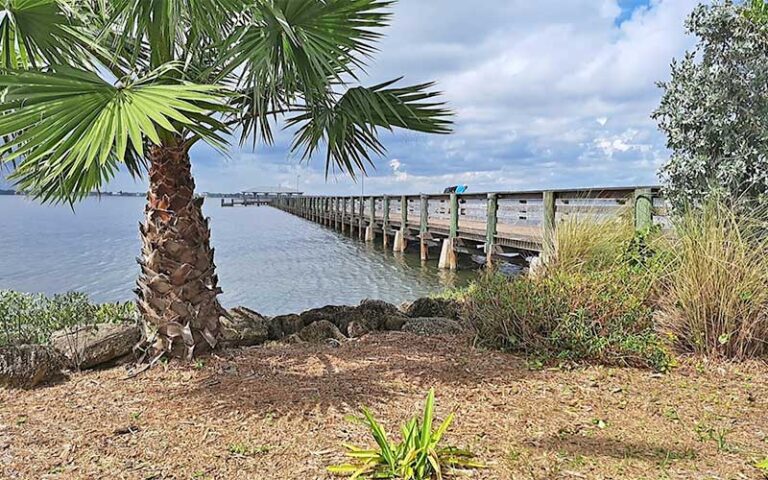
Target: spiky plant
x,y
417,456
89,87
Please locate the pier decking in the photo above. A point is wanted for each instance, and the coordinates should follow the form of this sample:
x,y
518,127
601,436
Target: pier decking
x,y
495,225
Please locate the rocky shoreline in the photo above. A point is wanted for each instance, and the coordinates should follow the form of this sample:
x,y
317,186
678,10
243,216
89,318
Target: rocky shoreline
x,y
107,345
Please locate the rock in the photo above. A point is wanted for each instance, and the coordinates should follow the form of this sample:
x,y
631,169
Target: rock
x,y
290,324
275,328
243,329
26,366
394,324
432,326
370,316
433,307
329,312
357,330
93,345
294,339
319,332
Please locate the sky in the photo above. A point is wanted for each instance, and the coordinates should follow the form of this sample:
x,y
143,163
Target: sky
x,y
547,94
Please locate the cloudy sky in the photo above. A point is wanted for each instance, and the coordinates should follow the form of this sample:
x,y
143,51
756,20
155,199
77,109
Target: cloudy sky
x,y
549,93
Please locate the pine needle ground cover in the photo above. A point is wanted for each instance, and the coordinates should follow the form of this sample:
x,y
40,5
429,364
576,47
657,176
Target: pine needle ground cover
x,y
282,412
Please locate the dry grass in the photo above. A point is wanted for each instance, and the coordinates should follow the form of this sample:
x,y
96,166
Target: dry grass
x,y
587,241
281,413
715,300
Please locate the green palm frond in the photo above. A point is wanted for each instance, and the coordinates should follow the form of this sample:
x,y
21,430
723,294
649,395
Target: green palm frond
x,y
297,49
68,130
34,33
166,29
349,128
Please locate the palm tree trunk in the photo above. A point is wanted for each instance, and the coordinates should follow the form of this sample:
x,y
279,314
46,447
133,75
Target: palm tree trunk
x,y
177,288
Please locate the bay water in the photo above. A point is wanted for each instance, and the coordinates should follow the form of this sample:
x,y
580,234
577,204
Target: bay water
x,y
267,260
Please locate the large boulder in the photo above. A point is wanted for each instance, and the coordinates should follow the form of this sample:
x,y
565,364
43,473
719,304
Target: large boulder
x,y
243,329
432,307
275,328
432,326
93,345
328,312
370,316
25,366
290,324
320,332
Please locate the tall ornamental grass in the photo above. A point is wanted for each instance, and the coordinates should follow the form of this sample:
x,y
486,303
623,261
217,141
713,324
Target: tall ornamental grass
x,y
714,300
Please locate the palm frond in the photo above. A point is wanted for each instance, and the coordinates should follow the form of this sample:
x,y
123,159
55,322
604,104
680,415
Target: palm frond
x,y
34,33
68,130
349,128
287,50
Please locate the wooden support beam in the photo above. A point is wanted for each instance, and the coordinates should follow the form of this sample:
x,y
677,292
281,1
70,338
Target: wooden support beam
x,y
385,223
424,228
361,218
548,225
370,233
400,241
343,214
448,259
490,228
643,209
454,215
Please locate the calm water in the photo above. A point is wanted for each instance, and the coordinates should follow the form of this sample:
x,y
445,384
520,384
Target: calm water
x,y
268,260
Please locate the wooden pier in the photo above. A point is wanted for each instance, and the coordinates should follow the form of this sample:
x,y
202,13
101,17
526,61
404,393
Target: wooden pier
x,y
495,225
260,196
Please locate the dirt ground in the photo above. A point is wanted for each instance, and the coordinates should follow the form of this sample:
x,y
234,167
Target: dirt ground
x,y
281,412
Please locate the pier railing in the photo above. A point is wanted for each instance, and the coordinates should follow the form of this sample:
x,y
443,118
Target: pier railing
x,y
494,224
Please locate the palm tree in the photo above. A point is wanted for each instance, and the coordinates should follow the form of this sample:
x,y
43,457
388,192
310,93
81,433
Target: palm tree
x,y
90,86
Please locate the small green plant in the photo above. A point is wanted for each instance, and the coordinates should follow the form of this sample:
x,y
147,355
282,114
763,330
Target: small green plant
x,y
762,465
719,435
242,449
416,457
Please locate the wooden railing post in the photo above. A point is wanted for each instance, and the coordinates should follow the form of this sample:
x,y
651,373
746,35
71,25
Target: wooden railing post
x,y
361,218
548,226
424,227
336,203
643,209
385,222
490,228
448,258
454,215
370,233
343,214
400,240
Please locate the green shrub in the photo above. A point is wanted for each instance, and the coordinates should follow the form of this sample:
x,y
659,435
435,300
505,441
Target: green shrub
x,y
589,317
416,457
715,298
594,302
28,318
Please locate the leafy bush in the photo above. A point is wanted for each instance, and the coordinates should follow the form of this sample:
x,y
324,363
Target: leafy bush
x,y
714,110
27,318
416,457
715,298
594,303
